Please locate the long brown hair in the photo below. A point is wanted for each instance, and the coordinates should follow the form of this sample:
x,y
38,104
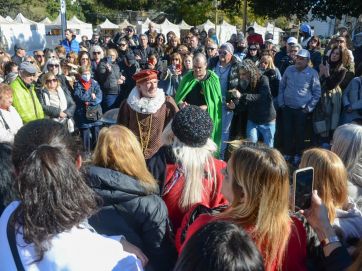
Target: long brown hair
x,y
330,178
118,149
261,197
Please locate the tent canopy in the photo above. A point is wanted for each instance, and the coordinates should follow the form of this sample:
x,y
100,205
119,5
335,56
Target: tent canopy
x,y
108,25
46,20
184,26
22,20
125,23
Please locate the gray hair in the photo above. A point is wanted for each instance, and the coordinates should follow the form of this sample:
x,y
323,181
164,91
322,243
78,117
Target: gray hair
x,y
200,57
52,61
347,144
96,48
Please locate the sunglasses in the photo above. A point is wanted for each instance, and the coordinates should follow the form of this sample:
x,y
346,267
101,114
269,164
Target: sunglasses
x,y
252,49
209,48
39,55
122,44
222,53
53,65
84,58
129,30
96,53
51,81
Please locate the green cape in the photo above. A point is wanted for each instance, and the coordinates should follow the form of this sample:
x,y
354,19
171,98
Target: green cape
x,y
213,97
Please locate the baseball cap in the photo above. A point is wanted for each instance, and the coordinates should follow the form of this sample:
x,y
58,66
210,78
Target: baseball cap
x,y
303,53
292,40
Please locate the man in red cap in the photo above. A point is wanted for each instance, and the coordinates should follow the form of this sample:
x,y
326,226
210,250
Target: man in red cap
x,y
147,111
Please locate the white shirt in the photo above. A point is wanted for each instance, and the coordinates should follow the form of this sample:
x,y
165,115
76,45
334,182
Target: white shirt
x,y
14,121
76,250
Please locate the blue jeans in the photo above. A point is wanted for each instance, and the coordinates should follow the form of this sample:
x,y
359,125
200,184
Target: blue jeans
x,y
110,101
267,130
227,117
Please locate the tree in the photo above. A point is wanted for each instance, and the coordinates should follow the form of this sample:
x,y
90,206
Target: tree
x,y
319,8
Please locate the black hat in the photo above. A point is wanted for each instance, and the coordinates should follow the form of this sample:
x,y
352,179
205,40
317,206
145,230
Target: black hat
x,y
250,29
192,126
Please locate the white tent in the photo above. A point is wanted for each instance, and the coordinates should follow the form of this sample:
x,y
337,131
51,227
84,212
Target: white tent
x,y
143,27
167,26
46,20
3,20
125,23
224,31
22,30
22,20
54,35
9,19
184,26
206,26
107,25
276,31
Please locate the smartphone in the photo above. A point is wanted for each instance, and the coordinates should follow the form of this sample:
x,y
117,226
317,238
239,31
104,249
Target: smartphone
x,y
164,65
303,186
109,59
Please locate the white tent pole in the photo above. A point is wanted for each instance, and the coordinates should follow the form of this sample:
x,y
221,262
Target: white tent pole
x,y
63,17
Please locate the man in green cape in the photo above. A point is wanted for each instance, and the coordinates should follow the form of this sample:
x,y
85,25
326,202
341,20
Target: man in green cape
x,y
207,85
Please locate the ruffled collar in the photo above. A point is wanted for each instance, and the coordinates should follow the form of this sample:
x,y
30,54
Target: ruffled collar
x,y
146,105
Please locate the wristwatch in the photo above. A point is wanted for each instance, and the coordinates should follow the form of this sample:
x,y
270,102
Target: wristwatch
x,y
330,240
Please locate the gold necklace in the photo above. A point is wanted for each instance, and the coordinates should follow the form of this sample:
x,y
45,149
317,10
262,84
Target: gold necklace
x,y
144,141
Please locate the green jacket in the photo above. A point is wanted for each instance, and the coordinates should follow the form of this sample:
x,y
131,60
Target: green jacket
x,y
213,97
28,107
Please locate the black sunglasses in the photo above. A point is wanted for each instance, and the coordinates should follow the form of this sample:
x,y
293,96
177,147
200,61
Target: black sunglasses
x,y
53,65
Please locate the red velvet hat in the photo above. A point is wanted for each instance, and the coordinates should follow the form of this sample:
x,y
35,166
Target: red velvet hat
x,y
145,75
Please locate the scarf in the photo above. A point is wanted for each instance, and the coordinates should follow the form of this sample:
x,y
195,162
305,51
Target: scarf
x,y
145,105
86,84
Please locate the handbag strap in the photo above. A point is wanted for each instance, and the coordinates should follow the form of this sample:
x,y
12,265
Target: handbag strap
x,y
10,231
5,123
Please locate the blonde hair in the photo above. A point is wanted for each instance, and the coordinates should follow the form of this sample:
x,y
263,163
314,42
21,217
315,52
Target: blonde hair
x,y
269,60
195,162
118,149
261,198
330,178
46,77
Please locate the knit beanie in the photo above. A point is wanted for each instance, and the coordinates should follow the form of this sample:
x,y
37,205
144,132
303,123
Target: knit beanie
x,y
192,126
228,47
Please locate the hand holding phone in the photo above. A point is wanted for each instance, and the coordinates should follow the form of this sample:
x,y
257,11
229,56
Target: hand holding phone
x,y
109,60
303,186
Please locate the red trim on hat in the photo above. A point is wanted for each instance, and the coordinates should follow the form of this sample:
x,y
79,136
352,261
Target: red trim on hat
x,y
145,75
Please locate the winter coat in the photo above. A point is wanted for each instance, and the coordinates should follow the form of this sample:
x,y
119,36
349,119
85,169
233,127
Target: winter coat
x,y
51,111
108,80
83,99
259,103
72,46
25,101
129,209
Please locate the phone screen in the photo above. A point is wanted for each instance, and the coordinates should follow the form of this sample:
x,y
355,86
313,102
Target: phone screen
x,y
109,59
303,187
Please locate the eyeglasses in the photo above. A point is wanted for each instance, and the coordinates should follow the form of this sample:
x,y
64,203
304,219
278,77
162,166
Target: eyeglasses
x,y
51,81
96,53
209,48
129,30
53,65
39,55
222,53
252,49
84,58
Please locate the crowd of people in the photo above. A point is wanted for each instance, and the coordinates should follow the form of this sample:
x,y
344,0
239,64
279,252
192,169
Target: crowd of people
x,y
195,171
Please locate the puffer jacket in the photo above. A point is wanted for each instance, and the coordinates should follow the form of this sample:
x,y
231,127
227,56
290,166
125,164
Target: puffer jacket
x,y
130,210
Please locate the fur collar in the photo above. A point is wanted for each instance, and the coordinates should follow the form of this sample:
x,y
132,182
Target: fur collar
x,y
146,105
